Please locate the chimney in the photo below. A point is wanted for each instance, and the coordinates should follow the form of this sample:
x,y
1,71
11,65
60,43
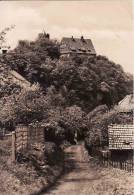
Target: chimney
x,y
82,39
73,38
47,36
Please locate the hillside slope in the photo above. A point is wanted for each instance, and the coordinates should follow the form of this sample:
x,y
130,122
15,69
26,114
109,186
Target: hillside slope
x,y
69,88
84,81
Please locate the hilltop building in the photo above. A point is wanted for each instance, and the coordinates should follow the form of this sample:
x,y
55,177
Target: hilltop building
x,y
44,35
80,46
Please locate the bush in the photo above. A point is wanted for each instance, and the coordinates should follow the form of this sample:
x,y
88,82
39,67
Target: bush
x,y
25,108
99,122
70,88
52,153
82,81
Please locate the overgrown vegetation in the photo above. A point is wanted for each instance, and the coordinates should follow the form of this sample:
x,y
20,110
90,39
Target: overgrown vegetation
x,y
68,91
99,120
35,170
86,82
69,88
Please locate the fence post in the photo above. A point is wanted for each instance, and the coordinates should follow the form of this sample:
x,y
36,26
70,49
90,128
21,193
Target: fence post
x,y
13,147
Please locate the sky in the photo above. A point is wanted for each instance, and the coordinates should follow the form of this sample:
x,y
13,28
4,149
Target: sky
x,y
109,23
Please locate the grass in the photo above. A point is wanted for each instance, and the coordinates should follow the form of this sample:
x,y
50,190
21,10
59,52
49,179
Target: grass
x,y
23,178
113,181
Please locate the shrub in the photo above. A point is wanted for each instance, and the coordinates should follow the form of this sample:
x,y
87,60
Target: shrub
x,y
52,153
99,122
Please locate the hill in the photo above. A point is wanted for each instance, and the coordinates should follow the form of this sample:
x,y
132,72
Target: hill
x,y
69,88
67,99
84,81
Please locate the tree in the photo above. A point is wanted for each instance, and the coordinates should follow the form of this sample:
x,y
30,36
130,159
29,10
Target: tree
x,y
73,120
99,120
25,108
70,88
4,32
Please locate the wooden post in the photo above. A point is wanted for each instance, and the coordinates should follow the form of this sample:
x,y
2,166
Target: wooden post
x,y
13,147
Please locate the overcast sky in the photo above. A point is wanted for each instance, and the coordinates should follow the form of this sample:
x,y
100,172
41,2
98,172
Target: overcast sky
x,y
109,23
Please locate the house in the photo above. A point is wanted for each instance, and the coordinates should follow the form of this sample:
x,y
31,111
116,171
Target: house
x,y
8,76
80,46
20,80
121,136
4,49
127,104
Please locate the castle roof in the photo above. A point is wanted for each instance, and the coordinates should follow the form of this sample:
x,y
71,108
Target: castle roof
x,y
76,45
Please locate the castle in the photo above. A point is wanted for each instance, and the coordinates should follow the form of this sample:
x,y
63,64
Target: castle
x,y
72,46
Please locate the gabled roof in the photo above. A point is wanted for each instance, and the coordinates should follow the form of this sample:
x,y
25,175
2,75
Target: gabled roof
x,y
75,45
8,76
127,104
20,80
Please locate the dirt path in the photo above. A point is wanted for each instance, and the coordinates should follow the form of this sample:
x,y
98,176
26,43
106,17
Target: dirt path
x,y
84,178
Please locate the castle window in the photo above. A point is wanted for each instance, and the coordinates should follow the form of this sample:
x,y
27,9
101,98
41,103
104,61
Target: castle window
x,y
83,49
63,46
73,48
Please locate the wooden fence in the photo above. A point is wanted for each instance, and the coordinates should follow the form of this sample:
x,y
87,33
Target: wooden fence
x,y
123,159
6,146
26,138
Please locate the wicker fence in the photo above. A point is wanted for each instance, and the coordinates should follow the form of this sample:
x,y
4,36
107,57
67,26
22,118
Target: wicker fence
x,y
6,146
118,159
23,139
26,138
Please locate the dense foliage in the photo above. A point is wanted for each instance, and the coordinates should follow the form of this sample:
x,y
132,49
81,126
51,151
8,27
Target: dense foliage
x,y
84,81
7,86
87,84
99,120
69,89
4,32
